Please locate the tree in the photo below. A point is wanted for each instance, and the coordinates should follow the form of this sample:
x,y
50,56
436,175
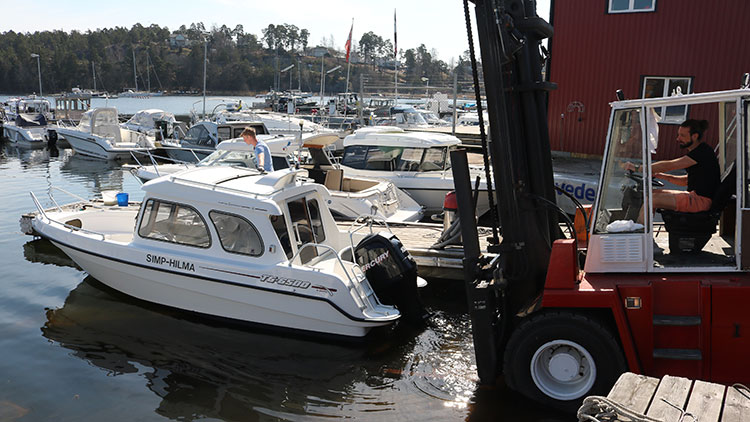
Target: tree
x,y
304,36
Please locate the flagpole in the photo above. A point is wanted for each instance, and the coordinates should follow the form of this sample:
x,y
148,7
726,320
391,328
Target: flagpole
x,y
395,60
348,69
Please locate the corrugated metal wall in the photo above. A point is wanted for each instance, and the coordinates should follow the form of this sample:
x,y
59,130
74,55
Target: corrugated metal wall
x,y
594,53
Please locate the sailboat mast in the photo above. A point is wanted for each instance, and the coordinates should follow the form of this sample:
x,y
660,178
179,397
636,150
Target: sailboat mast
x,y
148,74
135,72
93,73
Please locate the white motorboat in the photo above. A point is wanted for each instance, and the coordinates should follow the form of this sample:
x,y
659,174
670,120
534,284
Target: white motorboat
x,y
416,162
276,123
239,244
25,121
202,138
351,197
146,121
99,135
405,117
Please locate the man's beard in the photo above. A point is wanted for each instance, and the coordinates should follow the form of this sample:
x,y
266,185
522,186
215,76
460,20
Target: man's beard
x,y
686,145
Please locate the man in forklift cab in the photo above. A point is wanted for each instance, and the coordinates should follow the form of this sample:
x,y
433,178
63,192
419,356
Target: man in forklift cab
x,y
703,175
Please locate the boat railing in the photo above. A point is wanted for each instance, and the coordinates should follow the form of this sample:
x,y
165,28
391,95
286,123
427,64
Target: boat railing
x,y
365,221
353,283
66,225
154,157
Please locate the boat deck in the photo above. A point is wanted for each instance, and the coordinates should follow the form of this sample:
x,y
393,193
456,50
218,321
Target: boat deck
x,y
672,398
418,238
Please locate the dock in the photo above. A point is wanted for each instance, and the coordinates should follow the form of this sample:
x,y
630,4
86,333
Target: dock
x,y
418,239
672,399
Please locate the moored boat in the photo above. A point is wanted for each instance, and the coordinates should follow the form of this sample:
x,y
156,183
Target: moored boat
x,y
351,196
25,121
99,135
239,244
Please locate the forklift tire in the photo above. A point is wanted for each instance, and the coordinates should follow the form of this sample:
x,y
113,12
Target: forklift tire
x,y
558,358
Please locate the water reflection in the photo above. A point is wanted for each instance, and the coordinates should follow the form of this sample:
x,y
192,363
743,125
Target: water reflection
x,y
97,174
43,251
205,369
31,158
202,370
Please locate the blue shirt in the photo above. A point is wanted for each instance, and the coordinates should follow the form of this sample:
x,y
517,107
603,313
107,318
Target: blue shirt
x,y
261,149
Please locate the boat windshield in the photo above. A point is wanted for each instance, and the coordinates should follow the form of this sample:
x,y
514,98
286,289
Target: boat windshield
x,y
230,158
388,158
410,117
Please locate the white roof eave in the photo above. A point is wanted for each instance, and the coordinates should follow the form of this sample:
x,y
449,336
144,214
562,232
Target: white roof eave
x,y
686,99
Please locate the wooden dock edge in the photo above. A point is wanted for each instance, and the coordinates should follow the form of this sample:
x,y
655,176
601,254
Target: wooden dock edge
x,y
671,398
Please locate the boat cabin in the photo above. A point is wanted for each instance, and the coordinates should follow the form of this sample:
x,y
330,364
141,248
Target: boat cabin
x,y
28,106
393,149
621,240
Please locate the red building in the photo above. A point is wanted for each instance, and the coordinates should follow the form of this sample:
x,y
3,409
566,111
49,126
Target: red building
x,y
647,48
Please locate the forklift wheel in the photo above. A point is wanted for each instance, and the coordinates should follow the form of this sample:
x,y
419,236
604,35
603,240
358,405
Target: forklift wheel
x,y
558,358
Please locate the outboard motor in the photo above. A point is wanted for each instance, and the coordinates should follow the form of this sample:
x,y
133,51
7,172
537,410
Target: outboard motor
x,y
162,130
392,273
51,138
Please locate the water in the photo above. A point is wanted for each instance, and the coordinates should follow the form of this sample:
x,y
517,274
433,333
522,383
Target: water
x,y
75,350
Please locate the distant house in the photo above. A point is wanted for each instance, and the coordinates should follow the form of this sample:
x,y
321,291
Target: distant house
x,y
178,41
647,48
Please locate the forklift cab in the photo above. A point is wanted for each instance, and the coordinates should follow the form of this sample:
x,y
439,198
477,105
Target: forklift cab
x,y
668,241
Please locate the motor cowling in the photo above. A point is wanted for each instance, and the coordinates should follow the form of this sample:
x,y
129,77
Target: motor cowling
x,y
392,273
51,138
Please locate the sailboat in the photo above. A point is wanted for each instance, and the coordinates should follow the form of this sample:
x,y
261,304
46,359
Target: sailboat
x,y
135,93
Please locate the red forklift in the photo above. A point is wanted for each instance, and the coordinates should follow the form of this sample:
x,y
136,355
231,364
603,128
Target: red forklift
x,y
562,318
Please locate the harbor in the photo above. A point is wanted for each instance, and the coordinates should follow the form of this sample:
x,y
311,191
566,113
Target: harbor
x,y
507,235
84,351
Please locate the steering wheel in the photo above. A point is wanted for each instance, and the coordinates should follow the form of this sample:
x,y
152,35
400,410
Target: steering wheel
x,y
638,178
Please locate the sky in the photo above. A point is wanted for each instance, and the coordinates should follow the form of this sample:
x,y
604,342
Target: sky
x,y
438,24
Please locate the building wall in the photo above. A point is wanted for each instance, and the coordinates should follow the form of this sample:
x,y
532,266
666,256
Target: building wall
x,y
594,53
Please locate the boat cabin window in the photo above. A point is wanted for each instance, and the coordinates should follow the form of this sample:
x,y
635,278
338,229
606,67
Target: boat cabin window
x,y
236,234
175,223
225,133
280,162
198,135
354,156
395,158
409,159
621,195
434,159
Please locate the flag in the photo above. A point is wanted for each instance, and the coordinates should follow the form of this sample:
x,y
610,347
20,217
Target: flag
x,y
395,44
348,44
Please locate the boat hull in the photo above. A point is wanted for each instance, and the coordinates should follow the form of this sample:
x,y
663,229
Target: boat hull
x,y
216,298
94,147
25,137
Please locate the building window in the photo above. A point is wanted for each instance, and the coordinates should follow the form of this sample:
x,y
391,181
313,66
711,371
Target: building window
x,y
631,6
656,86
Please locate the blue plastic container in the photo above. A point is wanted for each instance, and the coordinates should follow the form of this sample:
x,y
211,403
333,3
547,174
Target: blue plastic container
x,y
122,199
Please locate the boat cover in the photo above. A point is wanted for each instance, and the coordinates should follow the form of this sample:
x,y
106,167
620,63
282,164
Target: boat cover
x,y
30,120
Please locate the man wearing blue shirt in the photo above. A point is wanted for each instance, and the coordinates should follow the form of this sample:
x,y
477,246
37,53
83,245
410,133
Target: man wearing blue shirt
x,y
262,153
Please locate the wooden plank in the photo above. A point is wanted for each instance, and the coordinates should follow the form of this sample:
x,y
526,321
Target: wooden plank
x,y
705,401
634,391
736,406
674,390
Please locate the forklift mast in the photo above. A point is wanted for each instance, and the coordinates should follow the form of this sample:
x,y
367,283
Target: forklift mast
x,y
510,34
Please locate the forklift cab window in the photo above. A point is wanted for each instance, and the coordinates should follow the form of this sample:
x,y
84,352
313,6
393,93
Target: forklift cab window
x,y
621,194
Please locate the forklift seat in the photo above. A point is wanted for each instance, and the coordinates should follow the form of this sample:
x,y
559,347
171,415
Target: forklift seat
x,y
690,231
